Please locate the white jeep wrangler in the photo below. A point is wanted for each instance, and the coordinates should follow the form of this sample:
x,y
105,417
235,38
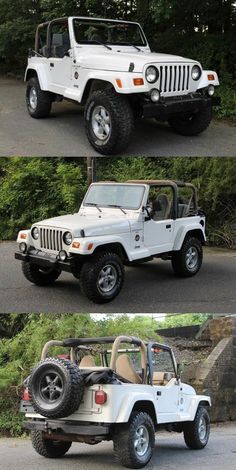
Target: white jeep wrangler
x,y
117,224
108,67
123,394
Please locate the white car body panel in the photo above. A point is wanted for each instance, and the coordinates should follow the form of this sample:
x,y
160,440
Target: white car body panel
x,y
139,238
178,403
57,75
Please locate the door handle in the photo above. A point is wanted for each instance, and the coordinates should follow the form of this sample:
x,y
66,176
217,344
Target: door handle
x,y
168,226
51,64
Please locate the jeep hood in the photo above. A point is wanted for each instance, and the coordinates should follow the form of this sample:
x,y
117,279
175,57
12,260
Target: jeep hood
x,y
120,61
92,225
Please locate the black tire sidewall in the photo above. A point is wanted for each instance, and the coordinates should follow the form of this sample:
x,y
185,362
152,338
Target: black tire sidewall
x,y
146,422
95,101
73,388
196,124
35,379
32,83
192,243
179,263
122,121
202,412
90,273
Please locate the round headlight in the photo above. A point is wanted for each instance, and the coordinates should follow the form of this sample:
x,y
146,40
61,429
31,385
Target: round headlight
x,y
35,233
196,72
67,238
152,74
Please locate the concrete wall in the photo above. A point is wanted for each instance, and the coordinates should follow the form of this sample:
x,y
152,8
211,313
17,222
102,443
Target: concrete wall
x,y
179,331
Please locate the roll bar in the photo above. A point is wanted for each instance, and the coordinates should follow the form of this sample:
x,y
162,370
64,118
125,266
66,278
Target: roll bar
x,y
74,343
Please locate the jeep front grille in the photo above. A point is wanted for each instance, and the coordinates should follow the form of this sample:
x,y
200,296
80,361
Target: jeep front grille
x,y
174,79
51,239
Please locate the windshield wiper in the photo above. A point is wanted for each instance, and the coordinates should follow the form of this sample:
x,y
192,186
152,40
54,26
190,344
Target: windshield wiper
x,y
117,207
92,204
133,45
102,44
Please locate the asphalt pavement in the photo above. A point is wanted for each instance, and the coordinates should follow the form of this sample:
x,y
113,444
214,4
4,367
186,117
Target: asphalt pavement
x,y
148,288
170,453
63,133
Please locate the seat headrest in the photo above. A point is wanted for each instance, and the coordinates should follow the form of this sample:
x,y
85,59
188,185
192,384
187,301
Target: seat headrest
x,y
125,368
87,361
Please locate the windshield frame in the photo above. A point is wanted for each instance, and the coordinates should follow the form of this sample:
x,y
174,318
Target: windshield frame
x,y
106,20
116,184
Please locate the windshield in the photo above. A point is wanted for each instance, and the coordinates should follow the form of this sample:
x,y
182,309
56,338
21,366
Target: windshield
x,y
107,32
120,195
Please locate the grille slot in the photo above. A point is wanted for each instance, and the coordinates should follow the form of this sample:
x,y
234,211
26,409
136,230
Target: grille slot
x,y
51,239
174,78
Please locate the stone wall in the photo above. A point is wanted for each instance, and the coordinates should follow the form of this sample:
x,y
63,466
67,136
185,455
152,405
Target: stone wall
x,y
216,375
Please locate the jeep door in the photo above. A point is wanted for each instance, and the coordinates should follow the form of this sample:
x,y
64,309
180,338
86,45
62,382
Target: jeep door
x,y
159,229
60,56
166,388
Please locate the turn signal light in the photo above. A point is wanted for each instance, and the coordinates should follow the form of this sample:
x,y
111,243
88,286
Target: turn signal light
x,y
138,81
26,395
119,83
75,245
90,246
100,397
211,77
23,236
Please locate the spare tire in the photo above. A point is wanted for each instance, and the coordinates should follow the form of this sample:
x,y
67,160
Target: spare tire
x,y
56,388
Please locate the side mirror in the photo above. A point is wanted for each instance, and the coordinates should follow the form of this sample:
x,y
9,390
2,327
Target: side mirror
x,y
67,53
148,211
180,369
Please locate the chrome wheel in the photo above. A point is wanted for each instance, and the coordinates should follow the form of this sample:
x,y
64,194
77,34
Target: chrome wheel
x,y
141,442
192,258
202,429
33,99
51,387
107,278
101,123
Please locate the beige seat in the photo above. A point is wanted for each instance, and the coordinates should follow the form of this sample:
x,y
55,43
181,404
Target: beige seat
x,y
87,361
124,368
162,378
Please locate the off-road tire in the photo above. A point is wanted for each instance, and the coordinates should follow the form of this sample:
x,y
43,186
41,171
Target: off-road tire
x,y
124,436
194,124
122,121
36,275
48,448
90,272
191,430
178,260
44,100
70,382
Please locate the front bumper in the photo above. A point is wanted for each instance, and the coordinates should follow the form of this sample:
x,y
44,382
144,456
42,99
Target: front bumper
x,y
168,107
43,259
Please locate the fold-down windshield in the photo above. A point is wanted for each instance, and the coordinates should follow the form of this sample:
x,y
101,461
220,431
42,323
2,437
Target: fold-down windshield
x,y
114,195
107,32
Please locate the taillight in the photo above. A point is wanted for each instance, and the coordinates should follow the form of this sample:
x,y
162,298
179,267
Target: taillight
x,y
100,397
26,395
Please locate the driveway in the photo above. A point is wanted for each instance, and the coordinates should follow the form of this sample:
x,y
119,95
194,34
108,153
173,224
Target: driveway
x,y
63,134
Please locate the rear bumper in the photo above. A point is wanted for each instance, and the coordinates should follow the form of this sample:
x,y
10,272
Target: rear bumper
x,y
68,427
45,260
168,107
